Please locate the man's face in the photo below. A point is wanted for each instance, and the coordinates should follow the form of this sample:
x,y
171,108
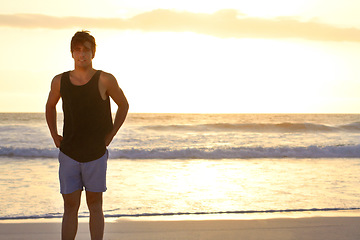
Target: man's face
x,y
82,54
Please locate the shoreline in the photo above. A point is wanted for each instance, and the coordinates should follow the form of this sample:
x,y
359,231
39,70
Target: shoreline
x,y
143,228
207,216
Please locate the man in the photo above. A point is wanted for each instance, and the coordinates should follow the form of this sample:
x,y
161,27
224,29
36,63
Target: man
x,y
88,130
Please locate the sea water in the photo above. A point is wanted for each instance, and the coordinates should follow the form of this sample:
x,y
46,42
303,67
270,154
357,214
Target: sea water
x,y
173,164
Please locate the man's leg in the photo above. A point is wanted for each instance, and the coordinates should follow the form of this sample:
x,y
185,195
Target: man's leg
x,y
70,217
95,201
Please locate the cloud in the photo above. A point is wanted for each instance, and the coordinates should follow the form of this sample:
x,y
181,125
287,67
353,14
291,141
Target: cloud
x,y
228,23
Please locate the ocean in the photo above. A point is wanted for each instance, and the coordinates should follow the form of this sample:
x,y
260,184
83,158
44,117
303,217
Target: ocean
x,y
179,164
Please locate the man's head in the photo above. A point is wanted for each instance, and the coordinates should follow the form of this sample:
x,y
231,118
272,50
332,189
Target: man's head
x,y
80,38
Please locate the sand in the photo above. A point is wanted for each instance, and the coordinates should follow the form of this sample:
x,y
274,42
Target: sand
x,y
329,228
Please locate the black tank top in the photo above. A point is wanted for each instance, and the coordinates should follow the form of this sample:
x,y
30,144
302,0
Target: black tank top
x,y
87,119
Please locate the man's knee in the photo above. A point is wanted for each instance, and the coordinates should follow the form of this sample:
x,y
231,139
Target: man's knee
x,y
94,201
72,201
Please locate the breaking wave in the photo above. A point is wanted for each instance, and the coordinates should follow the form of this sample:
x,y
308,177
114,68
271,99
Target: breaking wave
x,y
340,151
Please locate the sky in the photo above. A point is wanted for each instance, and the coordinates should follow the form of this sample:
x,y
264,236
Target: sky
x,y
182,56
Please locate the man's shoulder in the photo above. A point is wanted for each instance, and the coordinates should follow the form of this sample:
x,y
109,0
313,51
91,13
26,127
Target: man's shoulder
x,y
58,77
107,76
56,81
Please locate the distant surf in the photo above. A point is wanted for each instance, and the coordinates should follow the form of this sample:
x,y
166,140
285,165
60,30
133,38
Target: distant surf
x,y
258,127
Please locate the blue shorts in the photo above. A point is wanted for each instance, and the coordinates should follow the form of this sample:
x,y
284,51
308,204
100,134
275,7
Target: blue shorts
x,y
75,175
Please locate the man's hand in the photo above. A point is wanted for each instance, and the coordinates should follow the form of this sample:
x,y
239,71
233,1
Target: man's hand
x,y
57,140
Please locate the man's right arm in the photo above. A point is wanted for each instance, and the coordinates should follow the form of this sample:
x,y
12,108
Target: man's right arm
x,y
50,111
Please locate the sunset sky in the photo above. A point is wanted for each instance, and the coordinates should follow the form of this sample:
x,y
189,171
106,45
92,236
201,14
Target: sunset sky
x,y
228,56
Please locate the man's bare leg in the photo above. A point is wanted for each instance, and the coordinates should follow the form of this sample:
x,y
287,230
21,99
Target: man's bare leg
x,y
70,217
97,223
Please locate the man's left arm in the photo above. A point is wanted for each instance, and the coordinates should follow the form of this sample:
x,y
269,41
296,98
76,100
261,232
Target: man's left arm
x,y
114,91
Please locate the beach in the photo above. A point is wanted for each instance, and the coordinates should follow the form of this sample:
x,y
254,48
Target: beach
x,y
221,119
329,228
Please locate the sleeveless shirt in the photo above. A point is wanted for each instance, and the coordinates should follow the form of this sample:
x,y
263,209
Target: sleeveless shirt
x,y
87,119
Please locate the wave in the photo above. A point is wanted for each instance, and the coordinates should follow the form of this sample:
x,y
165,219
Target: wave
x,y
258,127
29,152
340,151
241,152
85,215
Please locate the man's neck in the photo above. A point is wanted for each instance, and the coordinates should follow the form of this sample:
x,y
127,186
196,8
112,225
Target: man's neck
x,y
80,71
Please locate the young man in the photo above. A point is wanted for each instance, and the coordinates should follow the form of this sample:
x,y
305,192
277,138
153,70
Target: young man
x,y
88,130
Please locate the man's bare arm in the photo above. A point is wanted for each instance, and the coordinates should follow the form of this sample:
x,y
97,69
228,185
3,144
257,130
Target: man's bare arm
x,y
50,111
115,92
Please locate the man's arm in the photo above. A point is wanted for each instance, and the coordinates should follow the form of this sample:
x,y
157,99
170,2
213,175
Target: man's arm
x,y
115,92
50,111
